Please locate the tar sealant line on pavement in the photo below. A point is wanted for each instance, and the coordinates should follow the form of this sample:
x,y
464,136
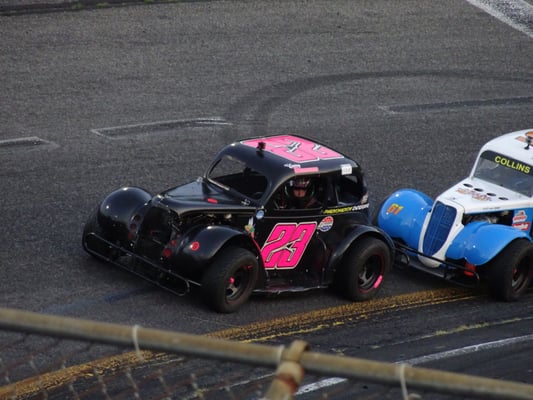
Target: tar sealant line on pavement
x,y
158,127
459,105
24,143
21,7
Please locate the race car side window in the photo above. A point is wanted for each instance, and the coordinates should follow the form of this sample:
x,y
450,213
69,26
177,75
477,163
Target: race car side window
x,y
349,189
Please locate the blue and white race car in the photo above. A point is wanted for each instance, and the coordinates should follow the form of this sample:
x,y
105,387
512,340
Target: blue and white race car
x,y
479,229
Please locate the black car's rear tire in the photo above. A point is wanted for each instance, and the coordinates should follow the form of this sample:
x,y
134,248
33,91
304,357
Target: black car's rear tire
x,y
230,279
511,271
363,268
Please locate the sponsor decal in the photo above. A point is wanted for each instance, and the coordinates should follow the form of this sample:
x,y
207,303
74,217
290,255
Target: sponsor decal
x,y
341,210
524,226
475,195
292,166
394,209
507,162
521,220
338,210
326,224
520,216
510,163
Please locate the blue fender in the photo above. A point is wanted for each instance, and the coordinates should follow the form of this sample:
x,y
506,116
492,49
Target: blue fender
x,y
480,242
402,215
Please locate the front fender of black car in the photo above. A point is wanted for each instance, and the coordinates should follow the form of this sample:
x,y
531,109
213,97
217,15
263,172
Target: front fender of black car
x,y
115,212
199,246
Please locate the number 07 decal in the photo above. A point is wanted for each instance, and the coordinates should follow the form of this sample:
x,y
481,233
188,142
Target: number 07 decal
x,y
286,244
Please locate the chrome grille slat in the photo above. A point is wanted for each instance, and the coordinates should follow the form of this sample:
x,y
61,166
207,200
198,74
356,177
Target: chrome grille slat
x,y
442,218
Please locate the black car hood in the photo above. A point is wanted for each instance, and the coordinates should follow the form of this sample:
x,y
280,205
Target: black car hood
x,y
200,196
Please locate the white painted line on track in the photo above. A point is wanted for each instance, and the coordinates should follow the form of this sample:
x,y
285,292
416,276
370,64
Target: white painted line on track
x,y
468,350
321,384
516,13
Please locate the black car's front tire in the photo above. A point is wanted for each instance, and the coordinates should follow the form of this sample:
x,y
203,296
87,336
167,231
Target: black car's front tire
x,y
230,279
511,271
363,268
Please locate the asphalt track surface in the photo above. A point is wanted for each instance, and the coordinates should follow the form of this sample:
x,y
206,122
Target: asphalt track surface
x,y
411,89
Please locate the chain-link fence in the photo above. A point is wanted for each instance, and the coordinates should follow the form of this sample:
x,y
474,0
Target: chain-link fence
x,y
51,357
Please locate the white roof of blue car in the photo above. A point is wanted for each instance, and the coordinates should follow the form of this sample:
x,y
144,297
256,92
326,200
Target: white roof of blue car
x,y
517,145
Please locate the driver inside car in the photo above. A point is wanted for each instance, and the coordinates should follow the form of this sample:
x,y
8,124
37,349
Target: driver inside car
x,y
298,193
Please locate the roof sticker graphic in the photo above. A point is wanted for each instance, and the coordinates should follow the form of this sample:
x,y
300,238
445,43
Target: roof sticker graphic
x,y
293,148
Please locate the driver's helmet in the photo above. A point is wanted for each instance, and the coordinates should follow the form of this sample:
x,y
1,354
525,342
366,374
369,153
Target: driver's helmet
x,y
300,188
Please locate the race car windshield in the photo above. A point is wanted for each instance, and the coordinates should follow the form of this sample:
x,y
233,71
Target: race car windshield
x,y
506,172
233,175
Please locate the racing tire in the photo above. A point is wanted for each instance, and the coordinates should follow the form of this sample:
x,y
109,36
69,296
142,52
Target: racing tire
x,y
363,268
230,279
97,249
511,271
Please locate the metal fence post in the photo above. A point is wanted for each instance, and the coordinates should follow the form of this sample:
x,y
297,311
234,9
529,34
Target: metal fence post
x,y
289,374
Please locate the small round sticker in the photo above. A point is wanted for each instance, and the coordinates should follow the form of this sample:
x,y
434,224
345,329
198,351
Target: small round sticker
x,y
326,224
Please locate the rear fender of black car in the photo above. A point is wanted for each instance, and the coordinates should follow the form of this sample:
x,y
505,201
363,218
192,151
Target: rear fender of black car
x,y
116,210
200,245
355,235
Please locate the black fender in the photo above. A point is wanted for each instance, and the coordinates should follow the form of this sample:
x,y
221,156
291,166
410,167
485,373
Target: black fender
x,y
201,244
356,234
115,212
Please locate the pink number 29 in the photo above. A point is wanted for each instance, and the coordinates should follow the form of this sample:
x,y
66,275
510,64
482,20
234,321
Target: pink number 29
x,y
286,244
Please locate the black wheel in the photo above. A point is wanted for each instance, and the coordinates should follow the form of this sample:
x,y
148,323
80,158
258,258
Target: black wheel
x,y
363,268
230,279
511,271
91,245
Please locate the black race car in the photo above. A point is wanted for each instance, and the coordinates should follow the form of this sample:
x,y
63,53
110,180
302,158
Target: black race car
x,y
270,215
